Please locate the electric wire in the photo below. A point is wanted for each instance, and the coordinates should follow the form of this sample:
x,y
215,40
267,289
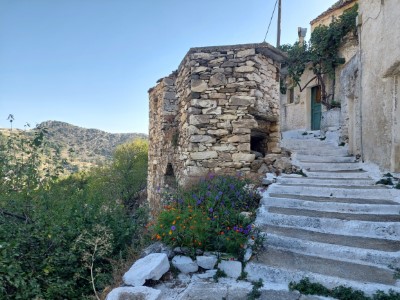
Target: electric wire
x,y
270,21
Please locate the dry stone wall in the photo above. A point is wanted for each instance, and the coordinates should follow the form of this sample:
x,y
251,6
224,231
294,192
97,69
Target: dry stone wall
x,y
218,114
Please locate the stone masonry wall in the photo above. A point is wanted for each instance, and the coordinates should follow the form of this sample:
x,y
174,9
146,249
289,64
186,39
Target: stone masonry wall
x,y
226,114
162,134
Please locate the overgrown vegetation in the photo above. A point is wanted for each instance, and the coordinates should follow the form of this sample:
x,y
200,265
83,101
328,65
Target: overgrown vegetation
x,y
256,290
209,216
321,54
305,286
61,237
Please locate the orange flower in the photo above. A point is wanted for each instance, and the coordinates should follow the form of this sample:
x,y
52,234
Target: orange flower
x,y
173,223
170,232
221,232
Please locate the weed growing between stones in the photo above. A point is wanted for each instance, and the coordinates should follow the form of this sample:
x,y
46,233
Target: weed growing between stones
x,y
300,172
255,292
209,216
305,286
219,274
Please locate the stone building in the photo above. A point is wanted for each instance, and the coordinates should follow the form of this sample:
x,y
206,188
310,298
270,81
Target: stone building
x,y
301,108
366,86
218,113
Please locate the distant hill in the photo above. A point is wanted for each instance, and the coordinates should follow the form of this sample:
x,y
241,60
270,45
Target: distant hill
x,y
90,147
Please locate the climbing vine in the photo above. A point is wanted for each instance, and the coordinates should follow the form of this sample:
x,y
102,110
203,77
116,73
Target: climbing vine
x,y
321,53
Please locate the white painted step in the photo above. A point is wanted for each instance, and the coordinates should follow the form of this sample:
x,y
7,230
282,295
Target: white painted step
x,y
320,166
321,152
327,174
332,251
331,206
384,230
325,158
280,275
326,181
328,191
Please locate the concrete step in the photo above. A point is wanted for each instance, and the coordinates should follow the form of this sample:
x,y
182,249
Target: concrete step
x,y
341,225
331,206
338,186
331,267
322,152
319,166
326,181
327,174
279,266
334,200
325,158
301,134
395,217
332,191
306,143
334,251
365,243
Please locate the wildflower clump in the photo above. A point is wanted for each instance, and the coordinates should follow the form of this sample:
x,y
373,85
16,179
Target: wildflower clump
x,y
208,216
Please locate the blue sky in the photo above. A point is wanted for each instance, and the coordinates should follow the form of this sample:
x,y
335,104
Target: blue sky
x,y
91,62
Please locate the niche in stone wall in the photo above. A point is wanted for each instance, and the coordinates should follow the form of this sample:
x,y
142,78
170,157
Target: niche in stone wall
x,y
169,177
258,142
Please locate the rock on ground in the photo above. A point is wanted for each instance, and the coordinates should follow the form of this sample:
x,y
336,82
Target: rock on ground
x,y
152,266
184,264
134,293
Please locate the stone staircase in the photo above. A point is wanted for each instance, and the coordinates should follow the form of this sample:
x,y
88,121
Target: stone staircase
x,y
334,226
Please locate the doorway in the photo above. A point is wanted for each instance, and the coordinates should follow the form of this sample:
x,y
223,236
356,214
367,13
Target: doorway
x,y
316,108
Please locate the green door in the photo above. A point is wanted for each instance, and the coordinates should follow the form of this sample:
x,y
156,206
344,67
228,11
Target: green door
x,y
316,108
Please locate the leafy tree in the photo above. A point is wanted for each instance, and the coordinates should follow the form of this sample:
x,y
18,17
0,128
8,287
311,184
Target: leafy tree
x,y
59,237
126,177
321,54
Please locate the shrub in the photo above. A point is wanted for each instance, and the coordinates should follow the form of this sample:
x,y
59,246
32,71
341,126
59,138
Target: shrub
x,y
59,237
208,216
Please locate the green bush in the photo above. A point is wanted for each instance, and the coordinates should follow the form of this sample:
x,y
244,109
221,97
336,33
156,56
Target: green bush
x,y
208,216
59,237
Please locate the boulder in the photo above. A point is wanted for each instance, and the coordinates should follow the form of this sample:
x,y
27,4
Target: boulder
x,y
283,163
153,266
157,247
206,262
134,293
231,268
184,264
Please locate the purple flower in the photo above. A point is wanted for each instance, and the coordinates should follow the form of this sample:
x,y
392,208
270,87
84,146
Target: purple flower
x,y
173,227
211,210
231,186
198,202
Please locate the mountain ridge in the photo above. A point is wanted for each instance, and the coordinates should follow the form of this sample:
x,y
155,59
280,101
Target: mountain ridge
x,y
82,148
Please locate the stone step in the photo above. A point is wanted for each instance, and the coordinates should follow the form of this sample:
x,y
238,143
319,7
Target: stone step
x,y
326,181
340,192
322,152
305,143
336,268
319,166
334,251
341,225
337,186
326,174
301,134
395,217
335,200
280,266
325,158
332,206
381,245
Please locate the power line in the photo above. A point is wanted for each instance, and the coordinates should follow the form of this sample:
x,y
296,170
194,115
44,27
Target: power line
x,y
273,12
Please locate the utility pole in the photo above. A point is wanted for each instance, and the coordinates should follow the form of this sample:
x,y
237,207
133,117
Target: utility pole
x,y
278,39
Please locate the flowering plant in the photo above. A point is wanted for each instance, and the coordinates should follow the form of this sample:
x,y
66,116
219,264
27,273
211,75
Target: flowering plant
x,y
207,216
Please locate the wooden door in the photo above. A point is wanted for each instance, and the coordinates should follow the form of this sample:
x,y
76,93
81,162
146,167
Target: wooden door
x,y
316,108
